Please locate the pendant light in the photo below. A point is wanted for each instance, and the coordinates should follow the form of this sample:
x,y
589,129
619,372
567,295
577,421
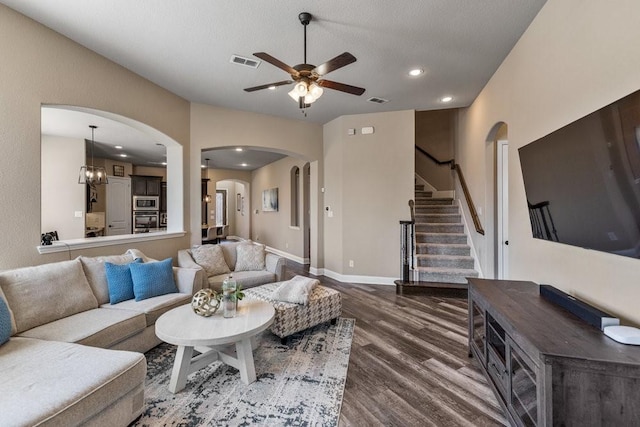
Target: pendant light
x,y
90,174
207,198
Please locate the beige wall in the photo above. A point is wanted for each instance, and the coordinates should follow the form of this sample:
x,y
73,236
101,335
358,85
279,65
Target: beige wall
x,y
435,133
62,196
43,67
575,58
368,183
213,127
274,227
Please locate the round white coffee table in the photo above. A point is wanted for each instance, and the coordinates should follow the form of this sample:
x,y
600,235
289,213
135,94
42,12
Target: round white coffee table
x,y
214,338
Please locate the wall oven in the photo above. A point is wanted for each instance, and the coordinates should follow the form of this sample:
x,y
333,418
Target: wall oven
x,y
146,203
144,222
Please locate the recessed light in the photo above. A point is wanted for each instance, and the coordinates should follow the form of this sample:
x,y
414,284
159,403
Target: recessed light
x,y
416,72
239,149
446,99
271,88
118,147
164,163
244,165
202,166
122,155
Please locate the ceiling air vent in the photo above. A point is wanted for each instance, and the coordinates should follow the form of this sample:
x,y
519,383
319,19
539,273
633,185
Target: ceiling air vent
x,y
247,62
377,100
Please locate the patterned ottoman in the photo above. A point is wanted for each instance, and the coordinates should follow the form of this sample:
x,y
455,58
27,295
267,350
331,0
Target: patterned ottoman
x,y
324,304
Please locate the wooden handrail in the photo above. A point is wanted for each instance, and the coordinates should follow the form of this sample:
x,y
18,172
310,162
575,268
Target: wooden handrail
x,y
463,184
438,162
467,196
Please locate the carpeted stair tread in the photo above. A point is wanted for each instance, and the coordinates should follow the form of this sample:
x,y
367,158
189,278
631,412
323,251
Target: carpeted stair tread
x,y
443,249
425,237
446,261
442,218
439,227
445,275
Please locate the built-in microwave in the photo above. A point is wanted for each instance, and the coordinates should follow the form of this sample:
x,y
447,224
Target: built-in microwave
x,y
146,203
144,222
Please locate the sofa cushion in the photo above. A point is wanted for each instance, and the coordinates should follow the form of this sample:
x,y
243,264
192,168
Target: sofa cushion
x,y
45,293
119,281
60,383
94,270
153,279
246,279
152,307
211,258
5,321
98,327
229,252
250,257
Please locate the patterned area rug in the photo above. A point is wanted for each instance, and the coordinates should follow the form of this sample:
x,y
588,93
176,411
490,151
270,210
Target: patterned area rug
x,y
300,384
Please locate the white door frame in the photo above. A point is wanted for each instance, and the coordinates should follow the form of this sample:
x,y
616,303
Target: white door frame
x,y
502,208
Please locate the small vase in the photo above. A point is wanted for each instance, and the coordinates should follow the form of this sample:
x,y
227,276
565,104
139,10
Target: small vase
x,y
229,301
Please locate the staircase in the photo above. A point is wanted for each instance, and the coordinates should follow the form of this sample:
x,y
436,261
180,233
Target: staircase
x,y
442,253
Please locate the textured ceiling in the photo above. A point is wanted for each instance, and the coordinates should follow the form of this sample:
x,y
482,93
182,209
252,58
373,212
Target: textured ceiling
x,y
185,47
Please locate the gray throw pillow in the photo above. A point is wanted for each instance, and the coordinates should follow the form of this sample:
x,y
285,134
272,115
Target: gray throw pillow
x,y
211,258
250,257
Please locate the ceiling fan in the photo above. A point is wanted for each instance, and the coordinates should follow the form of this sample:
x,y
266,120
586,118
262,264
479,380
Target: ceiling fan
x,y
308,78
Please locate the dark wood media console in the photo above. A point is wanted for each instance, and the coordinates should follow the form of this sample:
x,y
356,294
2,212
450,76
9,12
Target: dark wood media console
x,y
545,365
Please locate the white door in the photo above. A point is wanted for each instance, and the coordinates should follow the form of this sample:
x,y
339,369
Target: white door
x,y
118,218
502,180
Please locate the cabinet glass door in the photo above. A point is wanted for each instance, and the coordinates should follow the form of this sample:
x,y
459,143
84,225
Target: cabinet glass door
x,y
478,330
524,398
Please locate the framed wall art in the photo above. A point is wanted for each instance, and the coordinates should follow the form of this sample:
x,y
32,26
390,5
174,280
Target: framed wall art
x,y
118,170
270,200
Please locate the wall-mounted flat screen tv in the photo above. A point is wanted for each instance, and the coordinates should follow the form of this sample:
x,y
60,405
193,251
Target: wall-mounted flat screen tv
x,y
582,181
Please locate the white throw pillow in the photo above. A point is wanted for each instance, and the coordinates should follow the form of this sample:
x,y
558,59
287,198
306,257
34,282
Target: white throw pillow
x,y
210,258
250,257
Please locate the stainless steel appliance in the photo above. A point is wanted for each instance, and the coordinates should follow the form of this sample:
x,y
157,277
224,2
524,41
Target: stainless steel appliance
x,y
144,222
146,203
163,219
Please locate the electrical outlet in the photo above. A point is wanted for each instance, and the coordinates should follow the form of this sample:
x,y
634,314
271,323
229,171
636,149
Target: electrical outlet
x,y
350,263
77,214
286,245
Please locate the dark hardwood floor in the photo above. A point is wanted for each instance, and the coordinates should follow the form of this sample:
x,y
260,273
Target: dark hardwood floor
x,y
409,363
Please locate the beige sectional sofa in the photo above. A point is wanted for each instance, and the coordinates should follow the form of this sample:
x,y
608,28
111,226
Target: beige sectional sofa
x,y
64,364
273,266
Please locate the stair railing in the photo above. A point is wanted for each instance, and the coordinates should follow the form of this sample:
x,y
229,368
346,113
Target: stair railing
x,y
541,219
407,244
467,195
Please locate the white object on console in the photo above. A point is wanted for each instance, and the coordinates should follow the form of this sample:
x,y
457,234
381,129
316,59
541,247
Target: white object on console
x,y
623,334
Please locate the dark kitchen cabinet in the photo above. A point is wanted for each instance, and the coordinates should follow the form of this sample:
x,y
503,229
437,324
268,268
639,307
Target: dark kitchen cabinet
x,y
145,185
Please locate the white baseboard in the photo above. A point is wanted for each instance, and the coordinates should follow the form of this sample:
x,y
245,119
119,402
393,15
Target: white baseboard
x,y
368,280
287,255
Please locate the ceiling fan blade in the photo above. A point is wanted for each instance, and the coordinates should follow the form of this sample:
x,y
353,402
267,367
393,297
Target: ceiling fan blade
x,y
276,62
335,63
353,90
267,86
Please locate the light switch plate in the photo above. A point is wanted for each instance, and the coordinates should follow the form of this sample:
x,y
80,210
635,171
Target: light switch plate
x,y
367,130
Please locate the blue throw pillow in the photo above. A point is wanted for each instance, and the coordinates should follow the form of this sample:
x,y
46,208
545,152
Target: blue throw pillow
x,y
119,281
153,279
5,322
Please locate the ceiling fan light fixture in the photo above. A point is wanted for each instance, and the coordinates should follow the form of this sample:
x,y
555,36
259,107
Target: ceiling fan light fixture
x,y
301,88
293,94
316,90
